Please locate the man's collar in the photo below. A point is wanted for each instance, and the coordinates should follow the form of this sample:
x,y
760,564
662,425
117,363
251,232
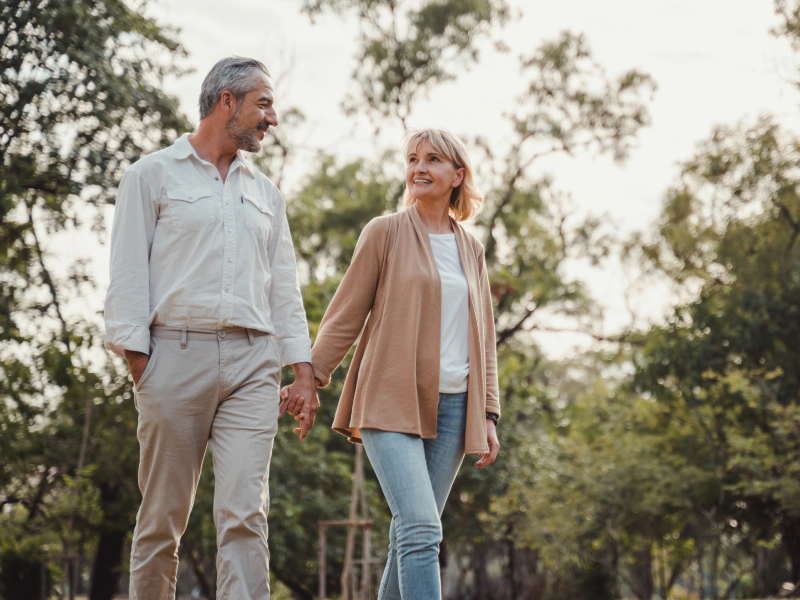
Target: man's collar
x,y
183,148
244,163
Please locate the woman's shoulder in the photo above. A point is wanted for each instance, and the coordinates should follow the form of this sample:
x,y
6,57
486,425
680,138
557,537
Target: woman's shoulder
x,y
471,238
376,226
380,225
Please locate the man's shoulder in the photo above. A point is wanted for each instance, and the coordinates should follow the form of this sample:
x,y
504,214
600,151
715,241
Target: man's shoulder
x,y
147,164
266,184
262,179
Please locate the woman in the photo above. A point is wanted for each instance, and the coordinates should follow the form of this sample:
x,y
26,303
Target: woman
x,y
422,388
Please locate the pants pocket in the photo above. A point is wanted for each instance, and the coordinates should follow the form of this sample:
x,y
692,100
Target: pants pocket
x,y
151,363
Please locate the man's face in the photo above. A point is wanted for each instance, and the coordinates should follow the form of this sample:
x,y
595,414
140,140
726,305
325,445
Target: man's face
x,y
253,115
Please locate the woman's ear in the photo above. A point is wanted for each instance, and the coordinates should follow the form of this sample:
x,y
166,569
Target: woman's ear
x,y
460,173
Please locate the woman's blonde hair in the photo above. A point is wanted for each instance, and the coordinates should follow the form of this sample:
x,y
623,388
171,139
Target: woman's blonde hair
x,y
466,199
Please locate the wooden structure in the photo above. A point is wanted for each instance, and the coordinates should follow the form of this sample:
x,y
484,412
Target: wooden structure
x,y
359,517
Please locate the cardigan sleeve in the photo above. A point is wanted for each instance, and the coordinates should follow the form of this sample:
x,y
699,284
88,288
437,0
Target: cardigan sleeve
x,y
490,339
351,304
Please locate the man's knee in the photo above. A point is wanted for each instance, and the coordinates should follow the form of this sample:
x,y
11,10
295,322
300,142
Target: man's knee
x,y
238,523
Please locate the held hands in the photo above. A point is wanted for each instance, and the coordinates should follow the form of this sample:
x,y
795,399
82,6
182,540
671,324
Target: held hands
x,y
300,400
494,446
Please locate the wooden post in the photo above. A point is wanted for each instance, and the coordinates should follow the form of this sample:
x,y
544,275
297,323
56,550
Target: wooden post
x,y
366,567
348,573
323,567
358,518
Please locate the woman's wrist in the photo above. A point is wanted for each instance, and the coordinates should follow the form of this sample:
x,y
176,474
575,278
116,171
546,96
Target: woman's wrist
x,y
491,417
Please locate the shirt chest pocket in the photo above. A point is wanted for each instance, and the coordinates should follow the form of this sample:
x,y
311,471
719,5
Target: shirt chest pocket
x,y
190,208
257,216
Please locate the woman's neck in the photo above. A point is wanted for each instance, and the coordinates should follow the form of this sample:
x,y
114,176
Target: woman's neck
x,y
435,215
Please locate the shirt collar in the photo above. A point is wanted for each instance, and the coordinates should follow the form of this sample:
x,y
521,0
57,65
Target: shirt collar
x,y
182,148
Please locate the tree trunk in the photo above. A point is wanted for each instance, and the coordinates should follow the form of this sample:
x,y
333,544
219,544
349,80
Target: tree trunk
x,y
207,586
107,568
701,573
791,543
511,568
642,584
479,571
22,578
712,572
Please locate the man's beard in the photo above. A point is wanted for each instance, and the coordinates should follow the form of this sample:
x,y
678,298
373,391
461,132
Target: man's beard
x,y
244,138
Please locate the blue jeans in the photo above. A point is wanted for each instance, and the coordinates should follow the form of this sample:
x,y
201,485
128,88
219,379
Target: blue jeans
x,y
416,476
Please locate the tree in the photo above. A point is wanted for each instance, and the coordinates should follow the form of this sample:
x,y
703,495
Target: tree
x,y
79,101
407,48
727,361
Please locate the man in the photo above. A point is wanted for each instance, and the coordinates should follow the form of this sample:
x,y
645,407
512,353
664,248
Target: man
x,y
205,306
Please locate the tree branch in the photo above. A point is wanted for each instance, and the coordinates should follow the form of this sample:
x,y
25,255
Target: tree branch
x,y
48,281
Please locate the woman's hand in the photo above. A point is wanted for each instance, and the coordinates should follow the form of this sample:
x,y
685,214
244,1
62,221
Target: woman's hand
x,y
494,446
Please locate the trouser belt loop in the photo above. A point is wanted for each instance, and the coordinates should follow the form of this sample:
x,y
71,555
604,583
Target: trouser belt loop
x,y
250,336
183,338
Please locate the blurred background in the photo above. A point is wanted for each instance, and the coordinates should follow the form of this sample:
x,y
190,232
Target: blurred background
x,y
641,164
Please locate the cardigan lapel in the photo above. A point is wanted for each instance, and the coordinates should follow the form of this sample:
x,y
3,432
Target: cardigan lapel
x,y
422,233
468,263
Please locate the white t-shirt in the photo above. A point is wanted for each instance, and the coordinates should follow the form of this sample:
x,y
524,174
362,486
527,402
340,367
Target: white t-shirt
x,y
454,353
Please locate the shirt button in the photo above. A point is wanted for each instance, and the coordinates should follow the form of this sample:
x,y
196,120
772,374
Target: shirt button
x,y
230,260
227,290
216,178
228,202
225,320
229,229
222,334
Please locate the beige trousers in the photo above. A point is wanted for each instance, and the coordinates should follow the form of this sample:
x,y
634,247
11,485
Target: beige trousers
x,y
218,387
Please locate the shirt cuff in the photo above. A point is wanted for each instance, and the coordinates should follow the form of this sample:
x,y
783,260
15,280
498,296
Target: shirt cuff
x,y
122,336
294,350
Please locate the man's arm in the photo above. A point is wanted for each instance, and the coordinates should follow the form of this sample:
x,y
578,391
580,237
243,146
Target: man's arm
x,y
127,305
285,300
291,328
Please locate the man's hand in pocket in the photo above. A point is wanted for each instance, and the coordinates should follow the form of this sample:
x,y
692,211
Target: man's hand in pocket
x,y
137,363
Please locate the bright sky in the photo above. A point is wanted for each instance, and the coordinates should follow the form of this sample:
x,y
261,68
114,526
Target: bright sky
x,y
714,62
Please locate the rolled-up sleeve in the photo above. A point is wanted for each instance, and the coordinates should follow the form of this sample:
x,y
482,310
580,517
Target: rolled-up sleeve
x,y
287,313
127,305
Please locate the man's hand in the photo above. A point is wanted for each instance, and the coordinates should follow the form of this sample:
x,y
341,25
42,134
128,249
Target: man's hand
x,y
494,446
137,363
300,399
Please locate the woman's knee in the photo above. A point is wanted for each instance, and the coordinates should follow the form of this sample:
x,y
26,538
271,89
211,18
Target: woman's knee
x,y
418,534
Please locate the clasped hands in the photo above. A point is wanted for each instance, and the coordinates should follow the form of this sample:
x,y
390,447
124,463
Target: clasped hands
x,y
300,399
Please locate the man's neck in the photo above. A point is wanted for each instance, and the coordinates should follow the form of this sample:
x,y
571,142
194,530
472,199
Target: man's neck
x,y
214,145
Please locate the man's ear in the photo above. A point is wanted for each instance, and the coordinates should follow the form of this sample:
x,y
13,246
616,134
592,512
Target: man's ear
x,y
228,101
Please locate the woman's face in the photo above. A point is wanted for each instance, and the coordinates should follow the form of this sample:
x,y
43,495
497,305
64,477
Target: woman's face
x,y
429,175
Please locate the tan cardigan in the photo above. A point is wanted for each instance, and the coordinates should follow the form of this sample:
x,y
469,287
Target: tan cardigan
x,y
393,284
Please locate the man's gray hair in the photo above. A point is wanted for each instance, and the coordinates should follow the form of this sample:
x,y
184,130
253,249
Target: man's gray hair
x,y
234,74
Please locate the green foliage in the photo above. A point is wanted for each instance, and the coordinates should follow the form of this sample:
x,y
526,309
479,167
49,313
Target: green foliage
x,y
406,48
662,468
80,100
726,364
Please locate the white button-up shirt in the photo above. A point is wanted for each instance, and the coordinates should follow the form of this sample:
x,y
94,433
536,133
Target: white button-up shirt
x,y
188,250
